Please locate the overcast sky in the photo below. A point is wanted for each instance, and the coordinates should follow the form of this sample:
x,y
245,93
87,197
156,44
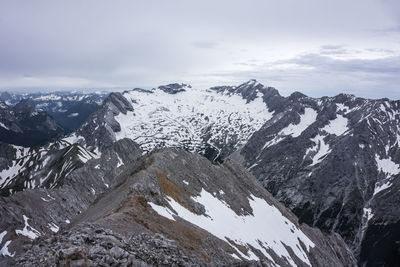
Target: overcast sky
x,y
318,47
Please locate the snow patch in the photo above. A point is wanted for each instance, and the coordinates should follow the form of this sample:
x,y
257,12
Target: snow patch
x,y
53,227
120,162
337,126
367,213
28,230
4,250
387,166
321,150
295,130
306,119
73,115
5,127
224,223
379,188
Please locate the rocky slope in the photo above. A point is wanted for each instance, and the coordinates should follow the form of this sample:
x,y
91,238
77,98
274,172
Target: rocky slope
x,y
23,125
177,208
42,167
335,162
28,215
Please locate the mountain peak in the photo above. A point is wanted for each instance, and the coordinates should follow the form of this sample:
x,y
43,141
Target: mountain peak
x,y
174,88
23,106
251,82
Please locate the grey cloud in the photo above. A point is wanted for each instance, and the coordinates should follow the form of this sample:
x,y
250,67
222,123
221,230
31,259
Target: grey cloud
x,y
96,43
205,45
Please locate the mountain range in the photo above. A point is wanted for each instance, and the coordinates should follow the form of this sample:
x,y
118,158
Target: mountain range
x,y
333,161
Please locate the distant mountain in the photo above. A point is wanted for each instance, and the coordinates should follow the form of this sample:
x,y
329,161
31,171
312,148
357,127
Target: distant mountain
x,y
167,208
69,109
23,125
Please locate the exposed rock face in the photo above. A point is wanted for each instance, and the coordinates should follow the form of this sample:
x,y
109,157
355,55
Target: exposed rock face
x,y
169,208
42,167
23,125
99,130
36,212
334,162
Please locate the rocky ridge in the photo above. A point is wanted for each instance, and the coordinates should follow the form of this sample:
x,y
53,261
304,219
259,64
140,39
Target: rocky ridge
x,y
28,215
159,211
335,163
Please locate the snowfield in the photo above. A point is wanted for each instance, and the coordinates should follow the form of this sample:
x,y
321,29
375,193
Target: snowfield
x,y
184,118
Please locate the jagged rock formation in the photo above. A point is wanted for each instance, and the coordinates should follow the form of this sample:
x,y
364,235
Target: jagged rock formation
x,y
23,125
335,163
177,208
42,167
30,214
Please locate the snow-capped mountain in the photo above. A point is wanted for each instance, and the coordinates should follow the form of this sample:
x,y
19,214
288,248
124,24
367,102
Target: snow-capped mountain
x,y
182,210
69,109
335,162
22,124
43,167
213,122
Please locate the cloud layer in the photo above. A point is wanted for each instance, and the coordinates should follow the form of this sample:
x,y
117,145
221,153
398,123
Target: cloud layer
x,y
317,47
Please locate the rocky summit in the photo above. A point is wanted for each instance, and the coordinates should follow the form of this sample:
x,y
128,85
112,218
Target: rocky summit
x,y
173,208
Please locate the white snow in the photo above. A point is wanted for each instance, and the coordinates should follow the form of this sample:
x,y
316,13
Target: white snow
x,y
73,115
341,107
306,119
378,188
4,250
2,235
387,166
337,126
5,127
236,257
267,227
120,162
84,155
163,211
367,213
321,150
295,130
47,97
46,200
171,120
53,227
28,230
